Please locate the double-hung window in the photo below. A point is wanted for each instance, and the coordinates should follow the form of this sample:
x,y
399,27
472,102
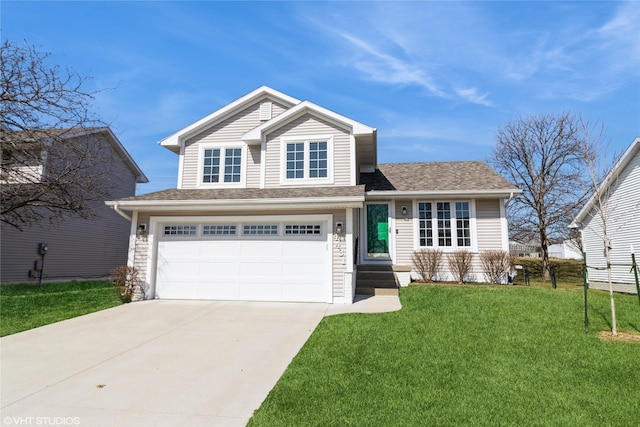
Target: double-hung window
x,y
444,224
307,160
221,165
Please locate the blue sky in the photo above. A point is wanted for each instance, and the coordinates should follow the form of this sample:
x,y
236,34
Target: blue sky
x,y
435,78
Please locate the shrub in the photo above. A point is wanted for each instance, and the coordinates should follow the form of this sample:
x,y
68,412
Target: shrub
x,y
126,280
428,263
460,264
495,265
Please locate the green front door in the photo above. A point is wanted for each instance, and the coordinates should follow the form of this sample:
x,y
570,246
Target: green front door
x,y
378,230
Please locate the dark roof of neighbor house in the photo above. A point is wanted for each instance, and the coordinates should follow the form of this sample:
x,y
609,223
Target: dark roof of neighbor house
x,y
250,193
435,176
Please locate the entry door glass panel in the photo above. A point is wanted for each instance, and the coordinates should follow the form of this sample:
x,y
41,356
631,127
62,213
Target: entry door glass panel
x,y
378,230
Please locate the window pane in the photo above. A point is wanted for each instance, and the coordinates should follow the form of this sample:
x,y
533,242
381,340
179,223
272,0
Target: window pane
x,y
211,169
463,224
295,160
426,229
444,223
318,159
232,162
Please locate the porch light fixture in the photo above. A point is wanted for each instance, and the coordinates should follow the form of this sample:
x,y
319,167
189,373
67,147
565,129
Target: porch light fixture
x,y
142,230
339,228
404,210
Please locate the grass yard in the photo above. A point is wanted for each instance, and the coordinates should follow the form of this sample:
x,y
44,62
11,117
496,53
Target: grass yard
x,y
465,355
25,307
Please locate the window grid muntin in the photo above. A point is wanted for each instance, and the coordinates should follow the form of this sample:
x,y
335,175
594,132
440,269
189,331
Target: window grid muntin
x,y
463,224
232,164
211,165
180,230
219,230
260,230
425,215
443,210
318,166
295,160
298,229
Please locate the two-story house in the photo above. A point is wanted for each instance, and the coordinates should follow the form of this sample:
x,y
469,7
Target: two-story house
x,y
86,246
283,200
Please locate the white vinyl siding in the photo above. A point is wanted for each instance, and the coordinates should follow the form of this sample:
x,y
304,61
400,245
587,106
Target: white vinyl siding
x,y
303,127
227,131
623,228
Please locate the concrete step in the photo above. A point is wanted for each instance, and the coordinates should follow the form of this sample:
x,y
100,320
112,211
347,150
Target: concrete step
x,y
367,290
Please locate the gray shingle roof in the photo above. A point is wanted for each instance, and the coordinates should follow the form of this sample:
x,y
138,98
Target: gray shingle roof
x,y
251,193
435,176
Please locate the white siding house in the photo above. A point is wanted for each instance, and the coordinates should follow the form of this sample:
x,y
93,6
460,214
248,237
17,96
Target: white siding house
x,y
621,208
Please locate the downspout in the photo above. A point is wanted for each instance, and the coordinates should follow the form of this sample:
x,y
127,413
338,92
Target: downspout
x,y
122,214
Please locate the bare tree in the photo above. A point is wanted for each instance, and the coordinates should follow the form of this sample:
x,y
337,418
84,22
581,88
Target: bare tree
x,y
600,186
52,162
542,155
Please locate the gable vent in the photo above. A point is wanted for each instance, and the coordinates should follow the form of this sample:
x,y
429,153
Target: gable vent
x,y
265,110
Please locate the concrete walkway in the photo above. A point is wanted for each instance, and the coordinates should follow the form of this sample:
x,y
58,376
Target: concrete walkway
x,y
158,363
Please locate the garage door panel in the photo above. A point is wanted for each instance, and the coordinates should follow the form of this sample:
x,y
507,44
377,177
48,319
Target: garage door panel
x,y
257,268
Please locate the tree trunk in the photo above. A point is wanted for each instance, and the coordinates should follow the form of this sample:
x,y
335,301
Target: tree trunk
x,y
614,329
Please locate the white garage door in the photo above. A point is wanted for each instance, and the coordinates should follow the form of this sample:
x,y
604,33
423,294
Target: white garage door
x,y
251,259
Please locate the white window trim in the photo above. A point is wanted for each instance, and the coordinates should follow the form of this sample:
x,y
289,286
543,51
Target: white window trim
x,y
222,147
306,139
454,231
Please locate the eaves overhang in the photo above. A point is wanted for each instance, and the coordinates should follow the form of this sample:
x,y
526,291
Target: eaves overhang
x,y
456,194
238,204
254,136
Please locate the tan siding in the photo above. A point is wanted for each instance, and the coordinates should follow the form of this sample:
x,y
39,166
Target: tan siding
x,y
404,234
78,248
253,166
229,130
308,125
488,224
623,228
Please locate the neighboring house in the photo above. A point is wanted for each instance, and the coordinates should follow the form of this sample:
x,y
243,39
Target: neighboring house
x,y
565,250
77,248
621,205
283,200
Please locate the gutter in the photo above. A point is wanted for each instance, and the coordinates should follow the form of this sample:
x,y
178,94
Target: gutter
x,y
116,208
379,195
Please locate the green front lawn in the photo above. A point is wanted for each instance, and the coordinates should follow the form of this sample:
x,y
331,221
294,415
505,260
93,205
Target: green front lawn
x,y
465,355
25,307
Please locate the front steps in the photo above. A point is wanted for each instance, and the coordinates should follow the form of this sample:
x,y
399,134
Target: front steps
x,y
376,280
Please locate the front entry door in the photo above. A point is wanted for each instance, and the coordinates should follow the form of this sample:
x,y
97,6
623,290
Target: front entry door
x,y
378,230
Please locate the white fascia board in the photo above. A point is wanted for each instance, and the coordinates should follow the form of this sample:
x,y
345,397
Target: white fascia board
x,y
475,194
240,204
356,128
174,140
609,179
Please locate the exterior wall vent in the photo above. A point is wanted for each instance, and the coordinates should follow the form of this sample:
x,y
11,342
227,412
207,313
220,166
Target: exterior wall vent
x,y
265,111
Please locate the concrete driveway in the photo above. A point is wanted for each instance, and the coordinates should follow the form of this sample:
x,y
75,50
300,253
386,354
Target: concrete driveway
x,y
157,363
